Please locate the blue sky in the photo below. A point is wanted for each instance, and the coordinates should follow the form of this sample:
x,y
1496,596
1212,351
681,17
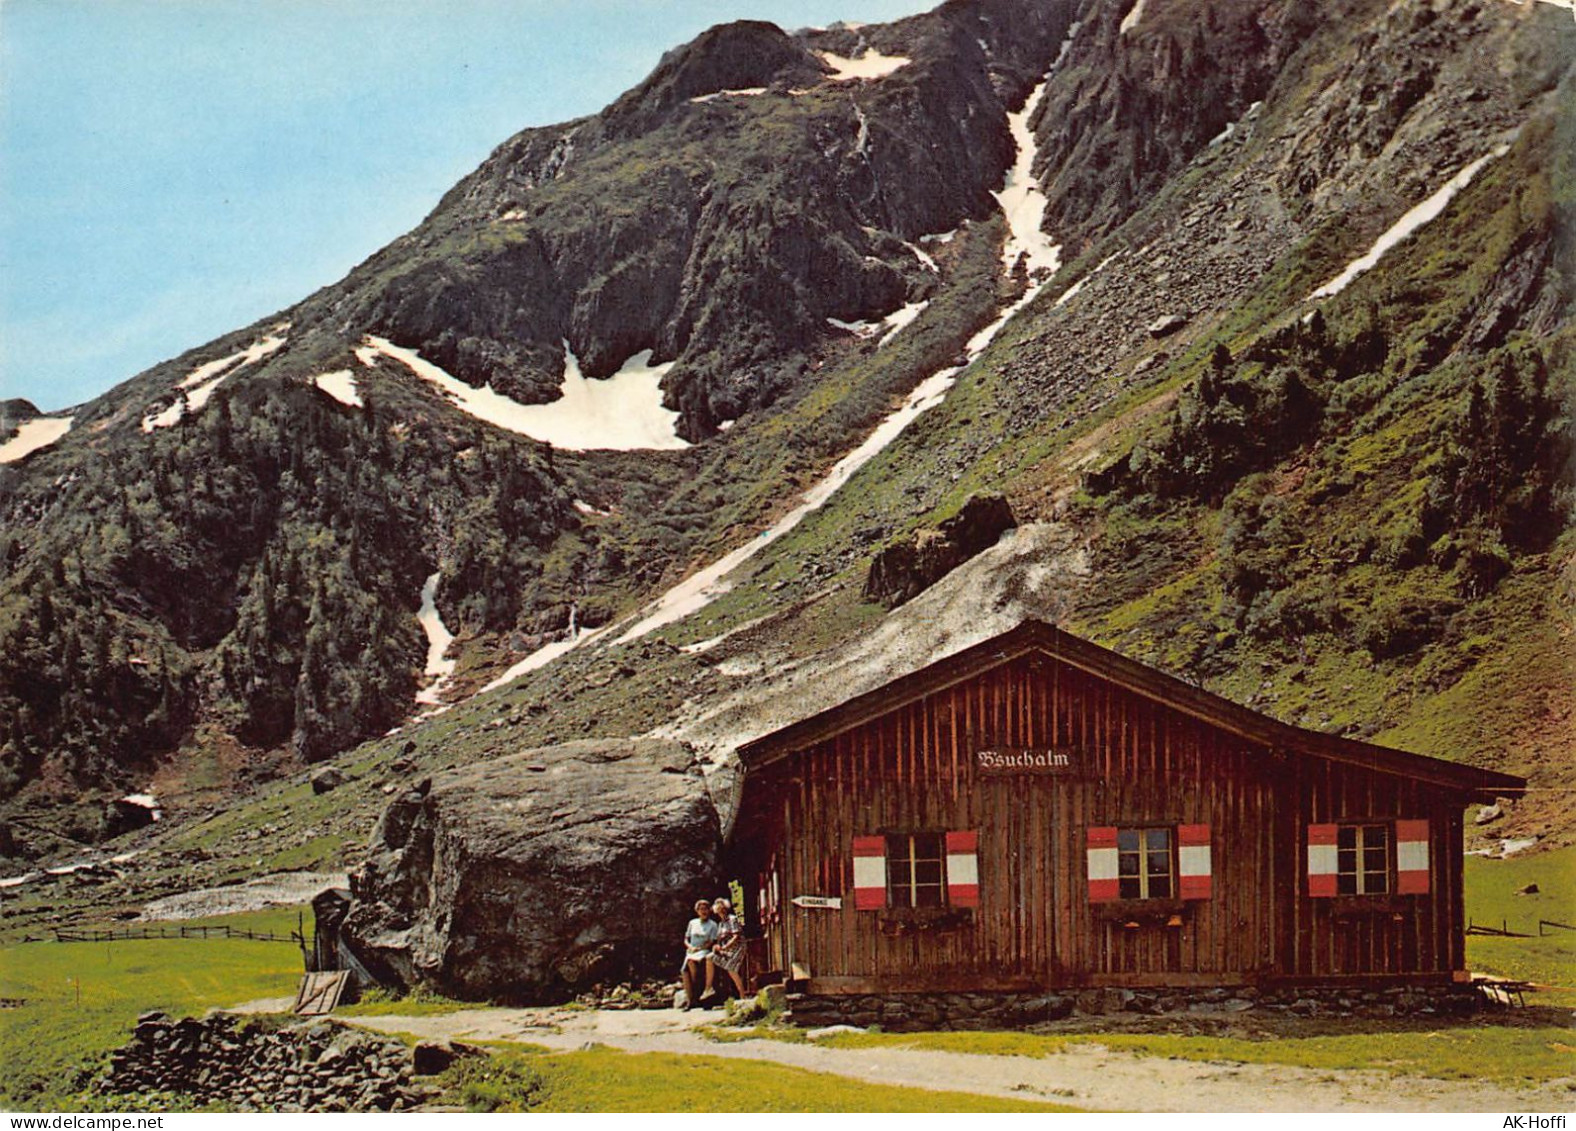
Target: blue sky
x,y
173,169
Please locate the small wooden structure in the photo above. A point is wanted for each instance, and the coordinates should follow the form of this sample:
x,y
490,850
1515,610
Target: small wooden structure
x,y
1037,813
334,974
320,992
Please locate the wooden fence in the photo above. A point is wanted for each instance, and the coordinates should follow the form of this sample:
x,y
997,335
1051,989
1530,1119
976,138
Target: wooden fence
x,y
63,934
1501,931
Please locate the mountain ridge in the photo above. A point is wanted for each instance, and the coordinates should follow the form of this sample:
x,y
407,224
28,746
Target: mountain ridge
x,y
274,541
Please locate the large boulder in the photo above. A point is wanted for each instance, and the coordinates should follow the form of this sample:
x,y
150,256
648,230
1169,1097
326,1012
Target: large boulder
x,y
906,568
531,877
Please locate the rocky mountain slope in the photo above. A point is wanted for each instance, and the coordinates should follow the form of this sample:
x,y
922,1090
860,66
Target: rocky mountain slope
x,y
1255,313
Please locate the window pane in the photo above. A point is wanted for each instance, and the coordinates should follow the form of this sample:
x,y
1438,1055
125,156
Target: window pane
x,y
927,846
1127,864
1159,887
1127,840
1346,883
900,897
1376,882
1127,887
1158,838
1160,863
1374,859
899,874
926,896
1346,860
928,872
1346,837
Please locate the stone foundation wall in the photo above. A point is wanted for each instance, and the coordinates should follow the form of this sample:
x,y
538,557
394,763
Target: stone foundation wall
x,y
911,1012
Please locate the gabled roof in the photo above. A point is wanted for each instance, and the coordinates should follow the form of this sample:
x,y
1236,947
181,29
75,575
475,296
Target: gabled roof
x,y
1033,636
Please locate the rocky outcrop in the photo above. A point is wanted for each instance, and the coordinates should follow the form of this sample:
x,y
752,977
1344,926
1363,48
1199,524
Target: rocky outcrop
x,y
15,412
326,779
754,217
908,567
532,877
311,1066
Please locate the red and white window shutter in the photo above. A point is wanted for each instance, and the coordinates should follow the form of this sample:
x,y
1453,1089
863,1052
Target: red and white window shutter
x,y
1322,859
1194,866
1411,857
963,869
870,879
1103,886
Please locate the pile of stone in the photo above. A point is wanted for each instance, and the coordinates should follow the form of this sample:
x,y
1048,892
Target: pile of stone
x,y
641,995
253,1066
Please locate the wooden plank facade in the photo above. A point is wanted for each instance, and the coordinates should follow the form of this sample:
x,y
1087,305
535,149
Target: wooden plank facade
x,y
978,819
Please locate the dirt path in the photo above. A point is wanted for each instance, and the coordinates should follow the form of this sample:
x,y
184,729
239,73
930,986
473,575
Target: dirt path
x,y
1084,1076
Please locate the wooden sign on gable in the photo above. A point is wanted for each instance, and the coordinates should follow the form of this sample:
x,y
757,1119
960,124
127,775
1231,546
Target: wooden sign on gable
x,y
1027,760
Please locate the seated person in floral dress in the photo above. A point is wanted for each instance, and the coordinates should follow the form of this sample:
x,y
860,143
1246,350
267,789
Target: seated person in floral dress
x,y
727,953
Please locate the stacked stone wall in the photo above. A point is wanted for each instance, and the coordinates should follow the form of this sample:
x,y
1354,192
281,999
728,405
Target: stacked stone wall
x,y
253,1066
913,1012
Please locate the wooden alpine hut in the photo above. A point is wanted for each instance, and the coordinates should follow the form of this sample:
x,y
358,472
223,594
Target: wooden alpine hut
x,y
1039,815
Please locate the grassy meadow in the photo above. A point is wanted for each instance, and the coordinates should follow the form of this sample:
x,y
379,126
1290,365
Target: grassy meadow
x,y
604,1079
80,1001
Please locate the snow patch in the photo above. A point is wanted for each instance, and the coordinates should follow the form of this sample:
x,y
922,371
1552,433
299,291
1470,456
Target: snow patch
x,y
700,589
1067,44
871,65
255,352
38,874
1507,847
924,257
862,138
33,435
900,319
857,329
1569,5
1025,208
198,397
438,640
1130,21
1023,203
888,327
1072,292
546,654
702,646
622,412
282,889
1414,219
341,385
587,509
747,92
165,418
197,387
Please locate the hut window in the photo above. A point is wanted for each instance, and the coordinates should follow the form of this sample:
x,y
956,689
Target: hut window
x,y
1144,864
916,874
1362,860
